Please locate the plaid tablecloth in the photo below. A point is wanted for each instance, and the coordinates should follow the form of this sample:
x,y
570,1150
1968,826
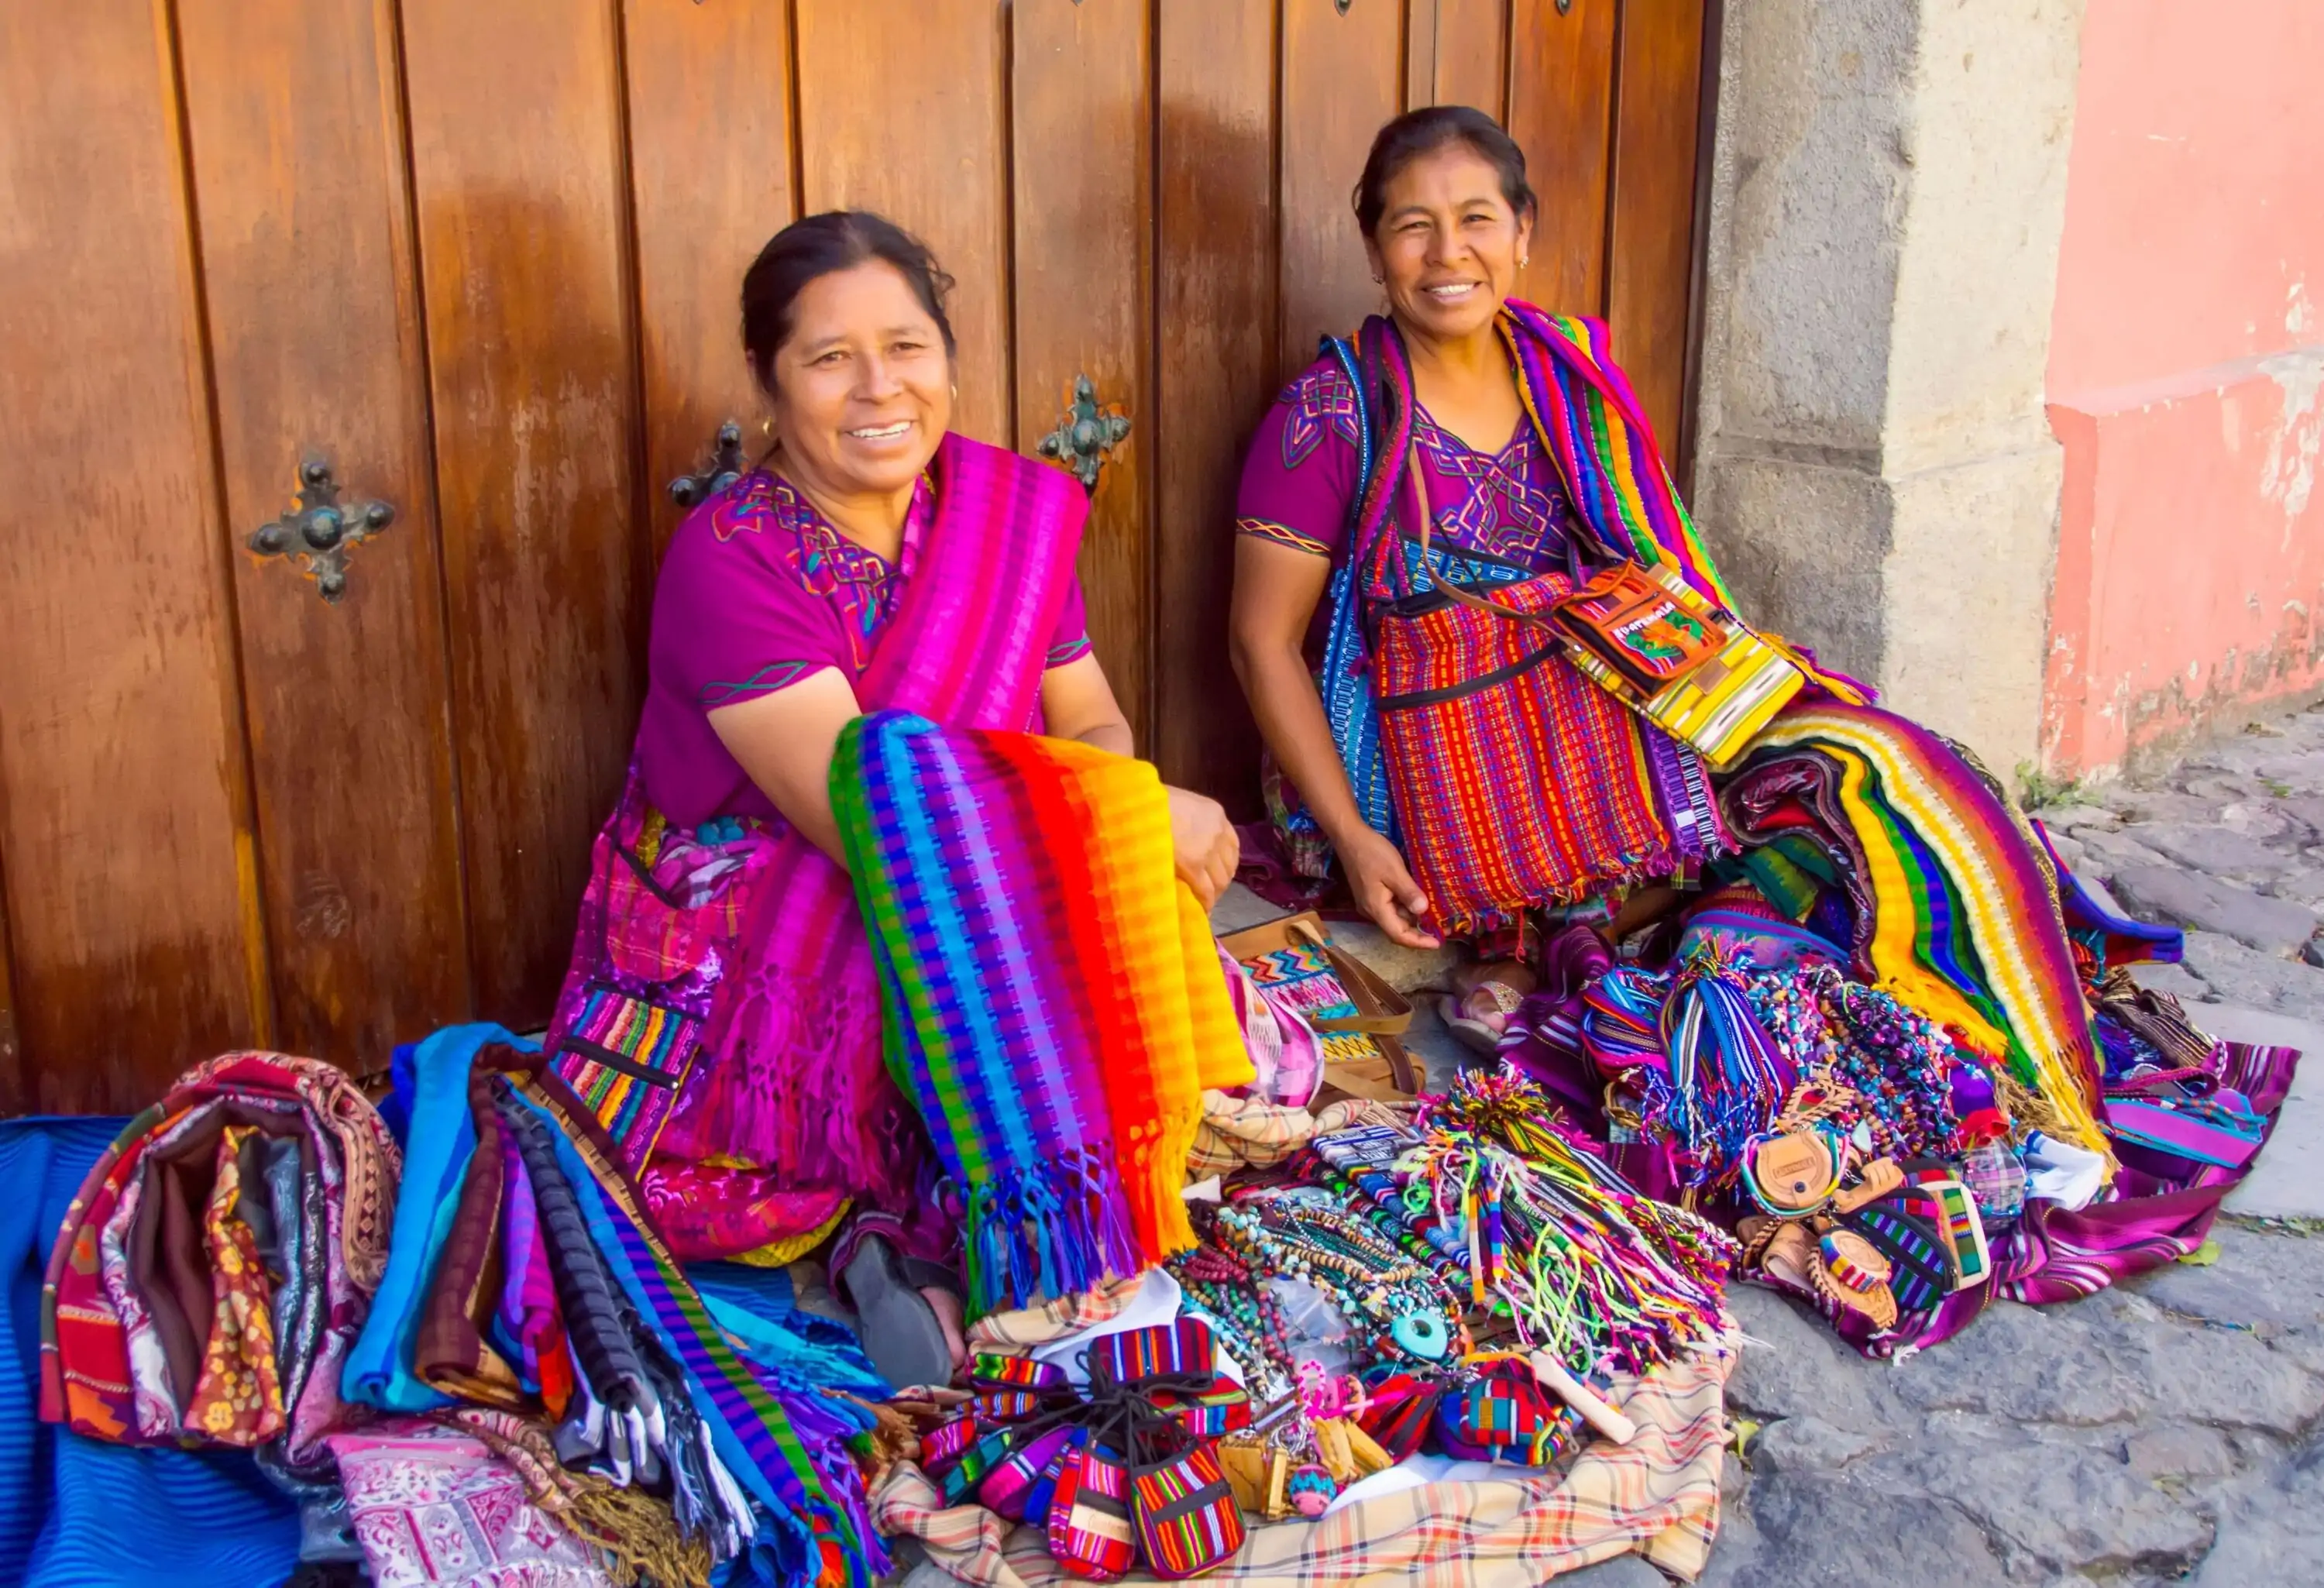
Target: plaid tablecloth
x,y
1658,1495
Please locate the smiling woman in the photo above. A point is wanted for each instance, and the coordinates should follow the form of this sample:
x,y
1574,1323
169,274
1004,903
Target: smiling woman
x,y
1410,459
872,561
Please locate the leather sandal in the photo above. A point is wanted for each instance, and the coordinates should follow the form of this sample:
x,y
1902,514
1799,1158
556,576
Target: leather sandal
x,y
900,1331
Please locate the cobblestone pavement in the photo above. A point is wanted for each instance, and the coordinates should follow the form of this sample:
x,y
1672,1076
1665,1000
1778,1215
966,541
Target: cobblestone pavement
x,y
2170,1430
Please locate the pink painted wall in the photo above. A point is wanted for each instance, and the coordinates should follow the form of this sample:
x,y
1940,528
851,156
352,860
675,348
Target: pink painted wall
x,y
2185,357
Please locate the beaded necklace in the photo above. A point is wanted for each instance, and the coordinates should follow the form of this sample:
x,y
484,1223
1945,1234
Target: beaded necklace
x,y
1890,1065
1414,1319
1244,1310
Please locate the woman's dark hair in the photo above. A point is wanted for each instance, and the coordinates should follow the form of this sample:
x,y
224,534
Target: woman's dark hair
x,y
816,245
1416,132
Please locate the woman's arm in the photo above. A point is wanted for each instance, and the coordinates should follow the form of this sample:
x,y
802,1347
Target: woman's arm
x,y
784,742
1276,590
1077,703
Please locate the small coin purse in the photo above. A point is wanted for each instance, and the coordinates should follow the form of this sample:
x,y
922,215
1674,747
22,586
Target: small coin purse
x,y
994,1369
1400,1413
1042,1496
1209,1413
966,1476
947,1443
1161,1351
1007,1488
1089,1514
1187,1519
1502,1415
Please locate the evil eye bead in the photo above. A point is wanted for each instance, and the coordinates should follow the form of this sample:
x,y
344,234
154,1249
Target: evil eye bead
x,y
1421,1334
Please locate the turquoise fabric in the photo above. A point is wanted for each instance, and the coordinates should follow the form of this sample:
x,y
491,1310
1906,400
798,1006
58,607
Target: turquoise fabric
x,y
441,1140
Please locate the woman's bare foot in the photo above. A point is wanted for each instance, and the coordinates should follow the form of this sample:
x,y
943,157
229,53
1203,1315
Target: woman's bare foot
x,y
1484,998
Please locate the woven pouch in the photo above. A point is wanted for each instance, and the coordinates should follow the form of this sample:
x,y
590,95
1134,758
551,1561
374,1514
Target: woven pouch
x,y
625,1058
947,1443
1042,1497
966,1476
1007,1488
1207,1414
1187,1519
994,1369
1400,1413
1090,1534
1161,1350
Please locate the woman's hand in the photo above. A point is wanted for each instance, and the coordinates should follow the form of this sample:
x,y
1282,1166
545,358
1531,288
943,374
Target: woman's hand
x,y
1384,889
1204,842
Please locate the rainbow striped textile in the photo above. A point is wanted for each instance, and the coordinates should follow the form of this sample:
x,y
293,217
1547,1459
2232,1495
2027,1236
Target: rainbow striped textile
x,y
1966,925
1054,1002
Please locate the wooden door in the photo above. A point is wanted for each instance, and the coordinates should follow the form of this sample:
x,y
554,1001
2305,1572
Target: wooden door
x,y
478,265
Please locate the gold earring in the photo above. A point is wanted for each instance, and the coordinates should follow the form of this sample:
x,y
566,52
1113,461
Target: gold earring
x,y
1523,260
766,427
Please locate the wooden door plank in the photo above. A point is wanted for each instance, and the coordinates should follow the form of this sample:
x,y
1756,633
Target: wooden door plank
x,y
518,165
1651,252
1420,44
124,808
293,114
1472,45
902,106
1081,128
1215,70
1560,104
710,173
15,1084
1343,77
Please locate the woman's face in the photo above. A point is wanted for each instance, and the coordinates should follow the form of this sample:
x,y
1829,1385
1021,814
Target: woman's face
x,y
863,384
1448,244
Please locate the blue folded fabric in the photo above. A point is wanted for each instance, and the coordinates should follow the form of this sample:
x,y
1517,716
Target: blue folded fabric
x,y
758,1310
442,1139
77,1511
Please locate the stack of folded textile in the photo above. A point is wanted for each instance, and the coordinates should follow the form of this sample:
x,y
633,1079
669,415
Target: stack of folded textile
x,y
211,1275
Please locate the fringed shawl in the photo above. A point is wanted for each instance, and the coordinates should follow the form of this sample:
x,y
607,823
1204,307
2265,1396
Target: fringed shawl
x,y
1055,1004
1965,924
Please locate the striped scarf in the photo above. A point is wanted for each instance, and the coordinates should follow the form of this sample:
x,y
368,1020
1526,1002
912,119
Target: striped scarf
x,y
1053,1002
783,1441
1965,923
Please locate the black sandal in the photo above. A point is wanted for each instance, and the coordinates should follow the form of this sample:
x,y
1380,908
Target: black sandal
x,y
899,1329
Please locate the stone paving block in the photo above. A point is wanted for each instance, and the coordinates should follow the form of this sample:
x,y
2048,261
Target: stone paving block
x,y
2288,1180
1808,1445
2216,851
2067,817
1793,1366
2262,1279
2207,903
2066,1505
1624,1571
1822,1531
2234,973
2050,1364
